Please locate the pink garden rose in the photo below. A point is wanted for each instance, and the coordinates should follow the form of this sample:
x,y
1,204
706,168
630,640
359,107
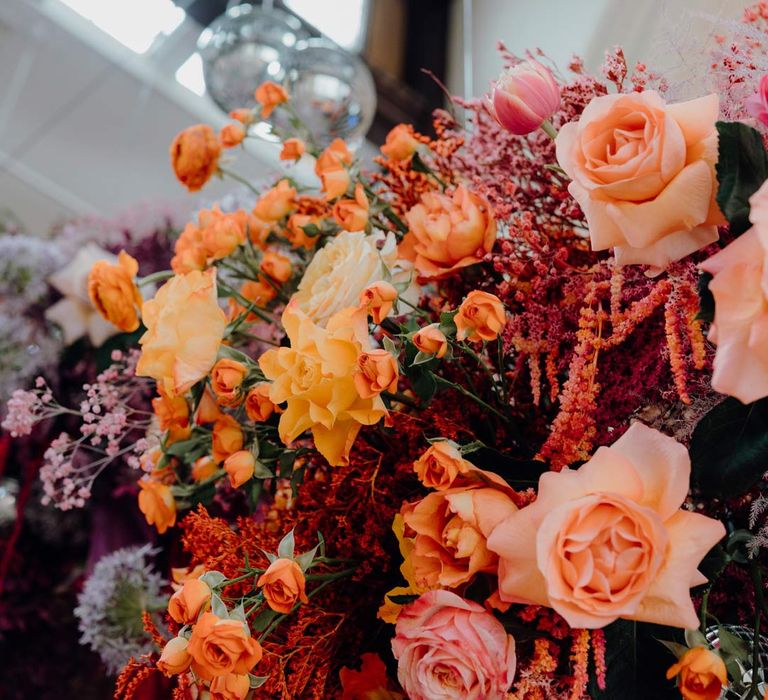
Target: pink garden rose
x,y
610,540
643,172
757,104
452,649
740,288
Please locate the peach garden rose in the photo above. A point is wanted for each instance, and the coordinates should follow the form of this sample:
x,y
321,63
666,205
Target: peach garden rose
x,y
740,328
610,540
453,649
643,171
283,585
219,647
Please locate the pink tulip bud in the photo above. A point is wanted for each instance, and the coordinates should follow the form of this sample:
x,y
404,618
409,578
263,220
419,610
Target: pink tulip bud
x,y
524,97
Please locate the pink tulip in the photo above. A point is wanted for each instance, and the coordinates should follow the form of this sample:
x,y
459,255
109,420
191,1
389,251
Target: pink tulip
x,y
757,104
524,97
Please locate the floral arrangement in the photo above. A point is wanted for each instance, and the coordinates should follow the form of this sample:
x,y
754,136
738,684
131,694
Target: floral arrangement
x,y
485,422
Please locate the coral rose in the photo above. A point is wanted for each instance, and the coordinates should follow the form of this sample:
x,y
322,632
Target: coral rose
x,y
231,135
113,292
451,528
269,95
283,585
377,372
195,156
701,674
453,649
227,438
187,603
296,234
740,288
315,376
340,272
335,182
352,214
401,143
643,172
240,466
610,541
233,686
481,316
259,292
447,233
220,647
208,410
184,330
431,340
226,379
258,405
277,266
172,415
276,203
157,504
377,299
175,658
293,149
440,465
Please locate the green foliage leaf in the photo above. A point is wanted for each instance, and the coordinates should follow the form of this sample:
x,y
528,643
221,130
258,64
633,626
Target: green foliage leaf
x,y
742,166
287,546
218,608
213,578
677,649
402,599
729,448
256,681
731,645
263,620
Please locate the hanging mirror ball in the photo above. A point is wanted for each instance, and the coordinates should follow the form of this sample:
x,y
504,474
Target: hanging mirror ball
x,y
332,91
244,47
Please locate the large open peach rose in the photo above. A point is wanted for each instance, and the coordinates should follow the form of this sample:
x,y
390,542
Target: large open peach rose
x,y
643,172
740,288
184,330
610,540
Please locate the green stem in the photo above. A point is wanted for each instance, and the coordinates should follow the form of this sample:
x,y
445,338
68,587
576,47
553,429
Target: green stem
x,y
480,361
502,378
548,129
246,303
156,277
419,311
240,179
757,581
470,395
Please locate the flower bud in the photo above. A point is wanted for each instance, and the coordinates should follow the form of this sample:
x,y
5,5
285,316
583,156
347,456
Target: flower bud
x,y
431,340
481,316
524,97
378,299
377,372
175,657
240,467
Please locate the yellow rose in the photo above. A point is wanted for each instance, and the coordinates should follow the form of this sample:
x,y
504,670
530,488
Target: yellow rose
x,y
340,272
316,377
184,330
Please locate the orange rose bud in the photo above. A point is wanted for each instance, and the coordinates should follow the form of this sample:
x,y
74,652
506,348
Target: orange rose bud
x,y
233,686
186,604
175,658
377,372
335,182
401,143
232,135
283,584
208,410
296,234
334,157
258,405
378,299
269,95
240,467
277,266
259,292
701,674
203,468
226,378
276,203
195,156
244,115
112,290
219,647
481,316
181,574
352,214
227,438
157,504
171,412
293,149
439,466
431,340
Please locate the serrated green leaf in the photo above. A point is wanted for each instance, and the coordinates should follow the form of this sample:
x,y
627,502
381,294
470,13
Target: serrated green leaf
x,y
742,166
422,357
729,448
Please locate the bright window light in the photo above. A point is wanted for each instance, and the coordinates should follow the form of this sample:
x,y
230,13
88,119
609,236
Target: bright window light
x,y
134,23
345,25
190,74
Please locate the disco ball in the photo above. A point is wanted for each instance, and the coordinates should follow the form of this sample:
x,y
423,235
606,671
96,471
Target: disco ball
x,y
332,91
739,689
244,47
